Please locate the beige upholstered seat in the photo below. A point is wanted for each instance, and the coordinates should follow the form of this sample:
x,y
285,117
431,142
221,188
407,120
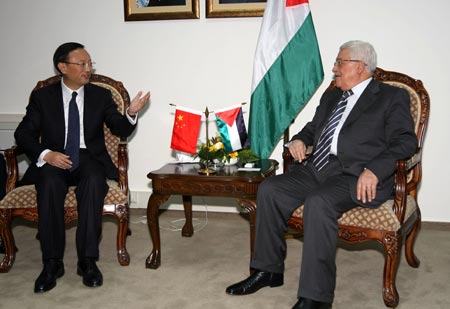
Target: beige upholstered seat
x,y
25,197
399,218
21,201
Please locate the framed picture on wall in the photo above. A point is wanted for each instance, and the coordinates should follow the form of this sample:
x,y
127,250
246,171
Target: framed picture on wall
x,y
235,8
161,9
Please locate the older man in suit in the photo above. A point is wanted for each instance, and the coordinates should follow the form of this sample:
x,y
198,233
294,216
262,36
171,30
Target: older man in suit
x,y
62,134
359,131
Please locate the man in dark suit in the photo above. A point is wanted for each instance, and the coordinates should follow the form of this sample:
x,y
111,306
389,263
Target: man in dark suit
x,y
364,134
46,134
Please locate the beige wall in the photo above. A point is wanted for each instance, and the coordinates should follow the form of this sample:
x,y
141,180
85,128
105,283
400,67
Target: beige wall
x,y
208,62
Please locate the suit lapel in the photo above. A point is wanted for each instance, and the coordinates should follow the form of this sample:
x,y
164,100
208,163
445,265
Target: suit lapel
x,y
89,106
56,105
366,99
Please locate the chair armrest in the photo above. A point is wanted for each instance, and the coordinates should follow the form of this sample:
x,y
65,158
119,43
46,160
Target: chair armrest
x,y
122,163
271,171
287,159
12,167
405,186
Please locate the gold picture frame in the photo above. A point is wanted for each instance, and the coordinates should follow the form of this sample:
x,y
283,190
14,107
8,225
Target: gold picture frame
x,y
173,10
234,8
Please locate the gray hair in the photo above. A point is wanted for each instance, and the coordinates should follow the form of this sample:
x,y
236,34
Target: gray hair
x,y
362,51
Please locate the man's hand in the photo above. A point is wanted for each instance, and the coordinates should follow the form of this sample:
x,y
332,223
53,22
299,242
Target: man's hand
x,y
366,188
298,150
58,159
138,103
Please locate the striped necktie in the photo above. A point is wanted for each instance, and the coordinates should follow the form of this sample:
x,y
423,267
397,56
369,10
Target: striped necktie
x,y
73,133
322,151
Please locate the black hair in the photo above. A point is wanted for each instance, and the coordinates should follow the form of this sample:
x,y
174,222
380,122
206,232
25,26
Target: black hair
x,y
62,52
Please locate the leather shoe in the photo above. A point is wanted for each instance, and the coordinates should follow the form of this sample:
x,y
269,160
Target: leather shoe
x,y
306,303
87,268
257,280
53,269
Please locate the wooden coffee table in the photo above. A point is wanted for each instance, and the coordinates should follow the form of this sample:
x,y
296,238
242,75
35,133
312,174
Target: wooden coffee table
x,y
184,179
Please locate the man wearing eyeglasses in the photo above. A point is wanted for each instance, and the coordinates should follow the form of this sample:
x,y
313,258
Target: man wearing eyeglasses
x,y
62,134
359,131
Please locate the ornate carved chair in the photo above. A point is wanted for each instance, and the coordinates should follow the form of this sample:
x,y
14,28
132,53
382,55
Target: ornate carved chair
x,y
399,218
20,201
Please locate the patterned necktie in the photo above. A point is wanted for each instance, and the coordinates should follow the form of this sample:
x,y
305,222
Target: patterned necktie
x,y
73,133
322,151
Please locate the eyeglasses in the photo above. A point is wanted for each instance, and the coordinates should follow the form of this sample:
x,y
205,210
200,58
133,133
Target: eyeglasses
x,y
85,65
340,62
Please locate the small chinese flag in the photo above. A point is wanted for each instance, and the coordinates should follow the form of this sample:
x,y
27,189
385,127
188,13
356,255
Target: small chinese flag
x,y
186,127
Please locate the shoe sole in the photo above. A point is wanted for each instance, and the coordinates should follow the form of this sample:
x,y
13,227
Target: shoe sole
x,y
271,285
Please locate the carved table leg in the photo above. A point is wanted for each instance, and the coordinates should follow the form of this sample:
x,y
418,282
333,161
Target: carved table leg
x,y
154,259
188,228
250,207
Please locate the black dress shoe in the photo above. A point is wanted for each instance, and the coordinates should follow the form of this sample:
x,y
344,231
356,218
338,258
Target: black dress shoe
x,y
53,269
306,303
257,280
87,268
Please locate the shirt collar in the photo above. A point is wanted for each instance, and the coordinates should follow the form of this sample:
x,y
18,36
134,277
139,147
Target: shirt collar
x,y
358,89
68,92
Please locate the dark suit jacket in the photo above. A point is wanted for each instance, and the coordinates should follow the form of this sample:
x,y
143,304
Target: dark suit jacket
x,y
378,131
43,125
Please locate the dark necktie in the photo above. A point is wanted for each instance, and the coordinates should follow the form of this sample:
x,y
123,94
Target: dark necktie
x,y
73,133
322,151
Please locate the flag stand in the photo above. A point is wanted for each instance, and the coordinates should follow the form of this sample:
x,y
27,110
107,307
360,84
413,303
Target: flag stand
x,y
207,171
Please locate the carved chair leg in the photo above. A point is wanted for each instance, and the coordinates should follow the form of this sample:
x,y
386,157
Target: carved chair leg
x,y
392,244
122,214
411,258
8,241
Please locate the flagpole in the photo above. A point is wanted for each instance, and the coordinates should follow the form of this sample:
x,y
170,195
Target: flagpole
x,y
207,170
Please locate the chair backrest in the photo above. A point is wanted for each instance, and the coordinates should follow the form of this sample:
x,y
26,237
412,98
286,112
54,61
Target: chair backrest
x,y
119,95
420,111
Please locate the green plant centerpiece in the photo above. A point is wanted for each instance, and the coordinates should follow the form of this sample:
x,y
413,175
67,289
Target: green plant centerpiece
x,y
214,150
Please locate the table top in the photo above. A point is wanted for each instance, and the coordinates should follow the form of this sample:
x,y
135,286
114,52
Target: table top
x,y
189,170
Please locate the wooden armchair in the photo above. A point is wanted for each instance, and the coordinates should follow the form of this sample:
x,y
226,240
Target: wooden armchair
x,y
20,201
397,218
